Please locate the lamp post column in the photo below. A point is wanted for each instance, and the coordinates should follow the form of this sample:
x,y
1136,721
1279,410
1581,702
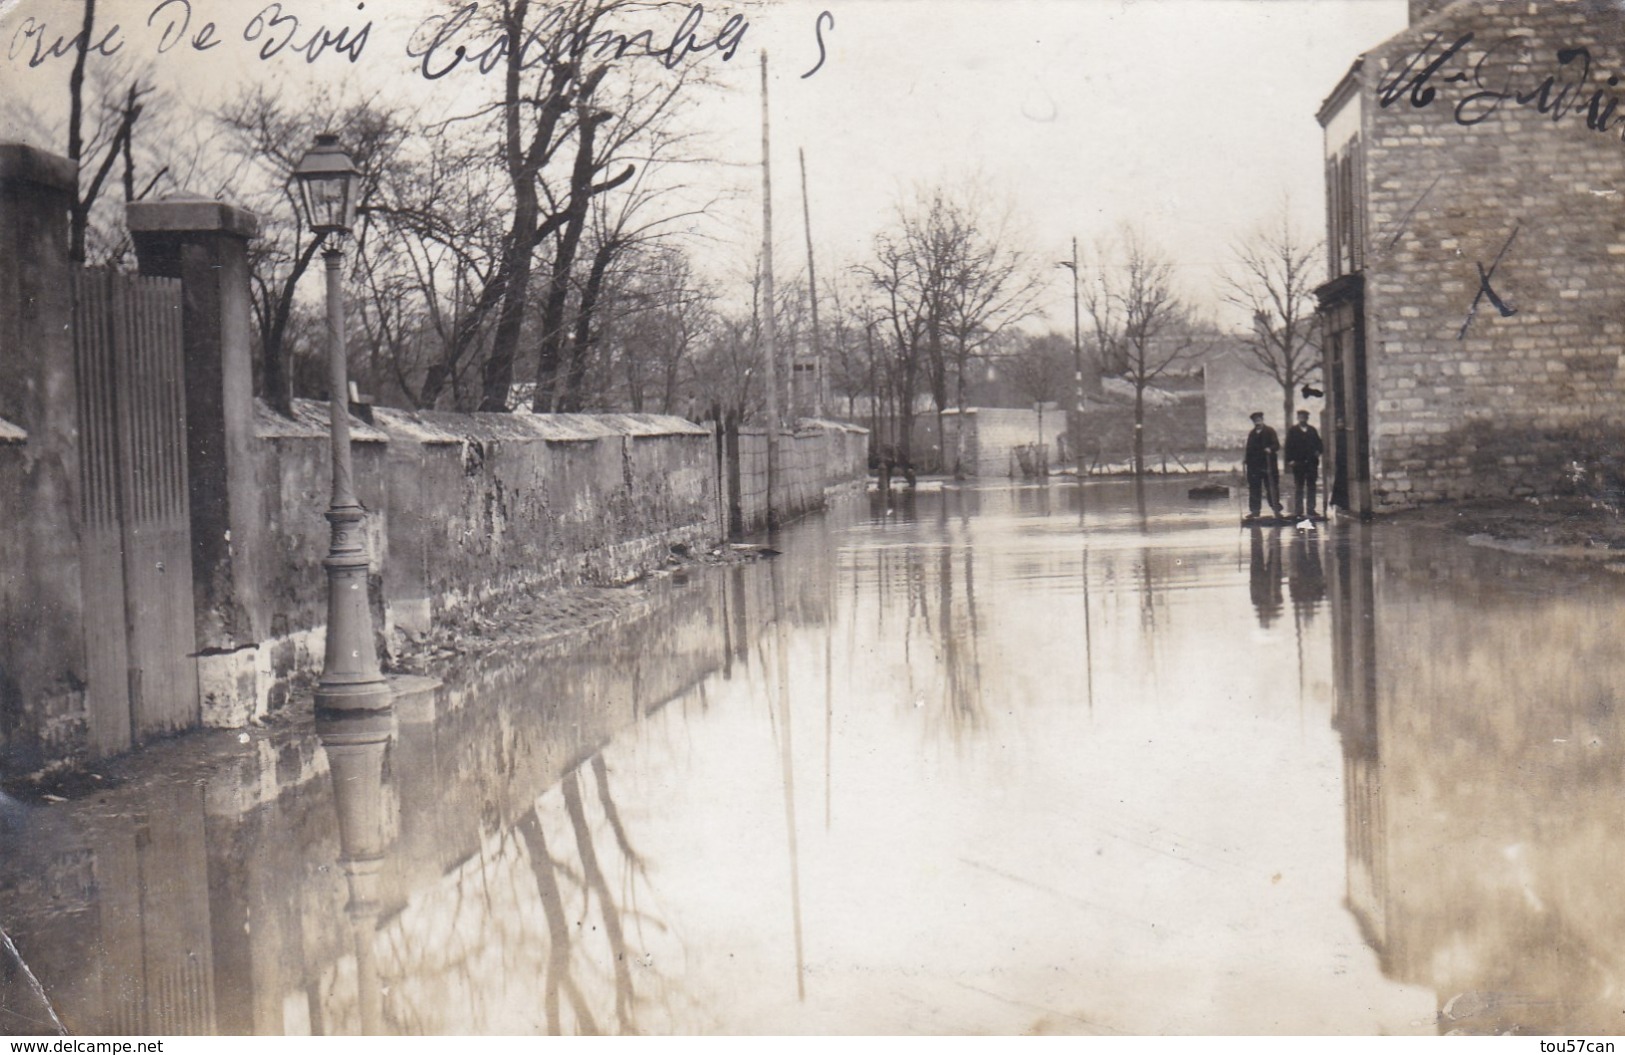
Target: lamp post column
x,y
1077,363
350,678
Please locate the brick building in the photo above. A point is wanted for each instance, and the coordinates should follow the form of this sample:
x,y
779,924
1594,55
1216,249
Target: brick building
x,y
1473,321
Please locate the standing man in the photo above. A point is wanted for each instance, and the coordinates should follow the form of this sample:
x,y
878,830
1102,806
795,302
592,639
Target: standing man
x,y
1303,449
1263,473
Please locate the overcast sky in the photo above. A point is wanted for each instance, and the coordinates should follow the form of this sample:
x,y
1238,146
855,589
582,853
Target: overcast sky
x,y
1192,118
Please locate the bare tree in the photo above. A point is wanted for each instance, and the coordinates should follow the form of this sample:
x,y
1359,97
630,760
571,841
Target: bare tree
x,y
904,280
571,120
266,135
989,286
631,229
850,367
1273,278
108,94
948,263
1142,322
660,315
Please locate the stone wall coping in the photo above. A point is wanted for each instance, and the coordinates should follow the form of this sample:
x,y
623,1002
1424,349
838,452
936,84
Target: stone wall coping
x,y
10,433
309,421
27,164
830,425
444,427
804,428
190,213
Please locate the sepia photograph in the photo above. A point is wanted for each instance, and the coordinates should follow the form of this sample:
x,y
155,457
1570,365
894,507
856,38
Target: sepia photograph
x,y
792,518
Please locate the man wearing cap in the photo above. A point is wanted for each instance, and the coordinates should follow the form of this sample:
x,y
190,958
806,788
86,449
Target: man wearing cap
x,y
1263,474
1303,450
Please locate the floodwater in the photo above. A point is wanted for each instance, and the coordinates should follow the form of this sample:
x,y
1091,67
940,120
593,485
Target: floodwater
x,y
989,760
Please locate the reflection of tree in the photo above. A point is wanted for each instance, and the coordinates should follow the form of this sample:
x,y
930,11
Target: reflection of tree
x,y
612,814
569,977
1264,579
558,977
594,876
961,661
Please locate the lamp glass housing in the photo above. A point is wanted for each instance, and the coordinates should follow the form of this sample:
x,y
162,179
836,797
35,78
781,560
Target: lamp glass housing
x,y
327,186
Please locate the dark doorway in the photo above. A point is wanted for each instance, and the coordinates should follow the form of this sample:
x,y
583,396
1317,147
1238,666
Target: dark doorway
x,y
1342,313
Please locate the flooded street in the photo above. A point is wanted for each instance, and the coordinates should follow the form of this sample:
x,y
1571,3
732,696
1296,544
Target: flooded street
x,y
983,761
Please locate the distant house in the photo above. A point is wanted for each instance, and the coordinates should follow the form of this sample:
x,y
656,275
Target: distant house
x,y
1473,322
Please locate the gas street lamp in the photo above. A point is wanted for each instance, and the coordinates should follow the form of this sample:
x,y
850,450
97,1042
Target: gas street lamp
x,y
350,680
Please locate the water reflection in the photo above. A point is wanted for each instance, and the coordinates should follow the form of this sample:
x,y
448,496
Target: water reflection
x,y
1483,751
355,746
1305,576
1079,773
1264,574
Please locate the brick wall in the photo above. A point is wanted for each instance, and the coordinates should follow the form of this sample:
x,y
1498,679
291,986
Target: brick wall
x,y
1504,409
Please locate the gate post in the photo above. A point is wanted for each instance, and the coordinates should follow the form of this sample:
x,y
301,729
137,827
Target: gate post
x,y
43,669
204,243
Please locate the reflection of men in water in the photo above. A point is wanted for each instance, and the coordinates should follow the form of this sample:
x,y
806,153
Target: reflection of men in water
x,y
1263,474
1305,578
1303,448
1264,579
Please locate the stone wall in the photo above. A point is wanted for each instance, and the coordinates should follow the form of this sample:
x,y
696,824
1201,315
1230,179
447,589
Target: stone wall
x,y
816,460
992,435
468,509
1460,174
44,668
1172,430
486,504
462,508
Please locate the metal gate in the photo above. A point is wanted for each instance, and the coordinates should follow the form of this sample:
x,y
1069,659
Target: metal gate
x,y
135,542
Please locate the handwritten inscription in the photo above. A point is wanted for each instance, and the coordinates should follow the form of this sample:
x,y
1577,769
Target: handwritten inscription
x,y
461,40
1562,88
33,39
280,30
273,27
818,31
445,43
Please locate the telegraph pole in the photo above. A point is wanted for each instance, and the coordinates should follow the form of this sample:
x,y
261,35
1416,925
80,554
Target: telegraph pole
x,y
769,336
821,388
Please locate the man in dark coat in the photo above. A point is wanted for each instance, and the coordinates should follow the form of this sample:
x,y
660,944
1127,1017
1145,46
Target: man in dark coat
x,y
1303,450
1263,473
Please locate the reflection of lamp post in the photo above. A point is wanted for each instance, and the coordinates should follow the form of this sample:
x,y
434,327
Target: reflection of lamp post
x,y
355,744
350,678
1077,355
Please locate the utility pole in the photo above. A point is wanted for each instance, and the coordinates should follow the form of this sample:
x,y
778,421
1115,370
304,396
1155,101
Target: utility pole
x,y
769,336
1077,356
821,389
